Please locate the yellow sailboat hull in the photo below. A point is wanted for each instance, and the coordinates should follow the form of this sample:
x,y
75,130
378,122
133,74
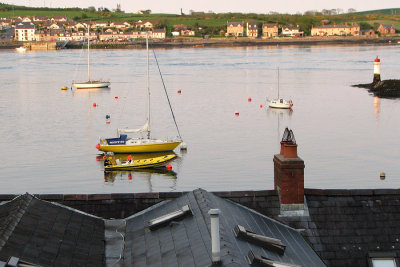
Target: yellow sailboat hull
x,y
142,148
141,163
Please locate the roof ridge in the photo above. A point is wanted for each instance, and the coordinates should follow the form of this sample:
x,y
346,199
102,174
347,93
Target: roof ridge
x,y
14,217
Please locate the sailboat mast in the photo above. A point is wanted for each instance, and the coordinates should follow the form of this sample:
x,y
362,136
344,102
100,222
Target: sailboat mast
x,y
88,54
278,82
148,86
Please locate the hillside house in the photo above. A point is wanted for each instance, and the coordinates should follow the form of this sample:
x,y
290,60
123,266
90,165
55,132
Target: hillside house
x,y
339,30
368,33
26,19
24,31
120,24
234,29
158,34
188,33
252,30
291,31
99,25
144,25
59,18
39,18
270,30
386,29
56,26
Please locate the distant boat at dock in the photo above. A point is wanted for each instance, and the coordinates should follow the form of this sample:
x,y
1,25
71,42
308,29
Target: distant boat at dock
x,y
20,49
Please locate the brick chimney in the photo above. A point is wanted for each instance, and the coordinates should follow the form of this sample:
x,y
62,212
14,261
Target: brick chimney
x,y
289,174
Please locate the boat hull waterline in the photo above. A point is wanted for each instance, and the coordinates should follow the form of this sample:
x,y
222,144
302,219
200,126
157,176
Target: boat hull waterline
x,y
141,163
94,84
281,103
143,148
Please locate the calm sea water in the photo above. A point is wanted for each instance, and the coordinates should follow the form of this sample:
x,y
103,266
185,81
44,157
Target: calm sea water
x,y
345,135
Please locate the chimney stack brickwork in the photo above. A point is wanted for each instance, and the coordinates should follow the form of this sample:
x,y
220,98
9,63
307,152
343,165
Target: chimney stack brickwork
x,y
289,171
289,179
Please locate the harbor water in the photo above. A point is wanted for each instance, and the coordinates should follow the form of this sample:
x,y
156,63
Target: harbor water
x,y
345,135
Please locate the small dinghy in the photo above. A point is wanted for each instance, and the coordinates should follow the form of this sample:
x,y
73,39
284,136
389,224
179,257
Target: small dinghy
x,y
131,164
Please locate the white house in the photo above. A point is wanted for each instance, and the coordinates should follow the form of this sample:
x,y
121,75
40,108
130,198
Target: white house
x,y
25,31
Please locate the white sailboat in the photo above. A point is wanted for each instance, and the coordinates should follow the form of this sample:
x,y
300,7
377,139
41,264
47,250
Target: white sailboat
x,y
123,144
280,102
90,83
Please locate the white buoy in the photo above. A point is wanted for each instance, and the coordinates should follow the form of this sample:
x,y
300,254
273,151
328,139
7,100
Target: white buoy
x,y
183,146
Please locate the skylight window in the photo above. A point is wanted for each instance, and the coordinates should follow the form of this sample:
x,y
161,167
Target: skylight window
x,y
172,216
382,259
256,259
269,243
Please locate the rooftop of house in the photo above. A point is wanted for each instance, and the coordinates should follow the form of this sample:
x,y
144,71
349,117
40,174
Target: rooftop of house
x,y
334,26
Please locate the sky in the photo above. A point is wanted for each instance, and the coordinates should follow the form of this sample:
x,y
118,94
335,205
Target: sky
x,y
217,6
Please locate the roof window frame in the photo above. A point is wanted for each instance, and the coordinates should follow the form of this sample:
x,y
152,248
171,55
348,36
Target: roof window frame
x,y
175,215
272,244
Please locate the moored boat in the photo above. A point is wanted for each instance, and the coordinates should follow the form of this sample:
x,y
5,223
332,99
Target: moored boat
x,y
280,102
20,49
90,83
140,163
125,144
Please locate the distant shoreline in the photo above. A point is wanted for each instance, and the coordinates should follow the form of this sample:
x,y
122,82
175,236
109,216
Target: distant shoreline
x,y
229,42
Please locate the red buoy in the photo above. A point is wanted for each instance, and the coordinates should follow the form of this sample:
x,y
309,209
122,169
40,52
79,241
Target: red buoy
x,y
237,113
130,176
169,167
98,146
94,104
261,105
179,91
249,99
116,97
107,122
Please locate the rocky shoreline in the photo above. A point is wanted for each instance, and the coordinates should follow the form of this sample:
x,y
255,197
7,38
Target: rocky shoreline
x,y
383,89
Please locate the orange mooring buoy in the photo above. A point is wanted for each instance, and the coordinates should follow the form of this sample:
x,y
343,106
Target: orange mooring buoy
x,y
237,113
98,146
179,91
169,167
249,99
116,97
94,104
261,105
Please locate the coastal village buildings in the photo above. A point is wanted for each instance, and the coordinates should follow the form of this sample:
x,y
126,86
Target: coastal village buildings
x,y
386,29
331,30
270,30
25,31
252,30
234,29
291,31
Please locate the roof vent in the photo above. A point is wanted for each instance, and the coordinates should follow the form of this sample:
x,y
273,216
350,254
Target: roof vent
x,y
172,216
256,259
269,243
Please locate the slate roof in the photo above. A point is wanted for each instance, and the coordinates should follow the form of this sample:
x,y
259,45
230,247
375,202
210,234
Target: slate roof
x,y
334,26
25,25
188,242
345,225
49,234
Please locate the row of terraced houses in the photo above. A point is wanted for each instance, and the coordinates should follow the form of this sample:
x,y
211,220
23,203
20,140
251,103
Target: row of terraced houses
x,y
271,30
60,28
